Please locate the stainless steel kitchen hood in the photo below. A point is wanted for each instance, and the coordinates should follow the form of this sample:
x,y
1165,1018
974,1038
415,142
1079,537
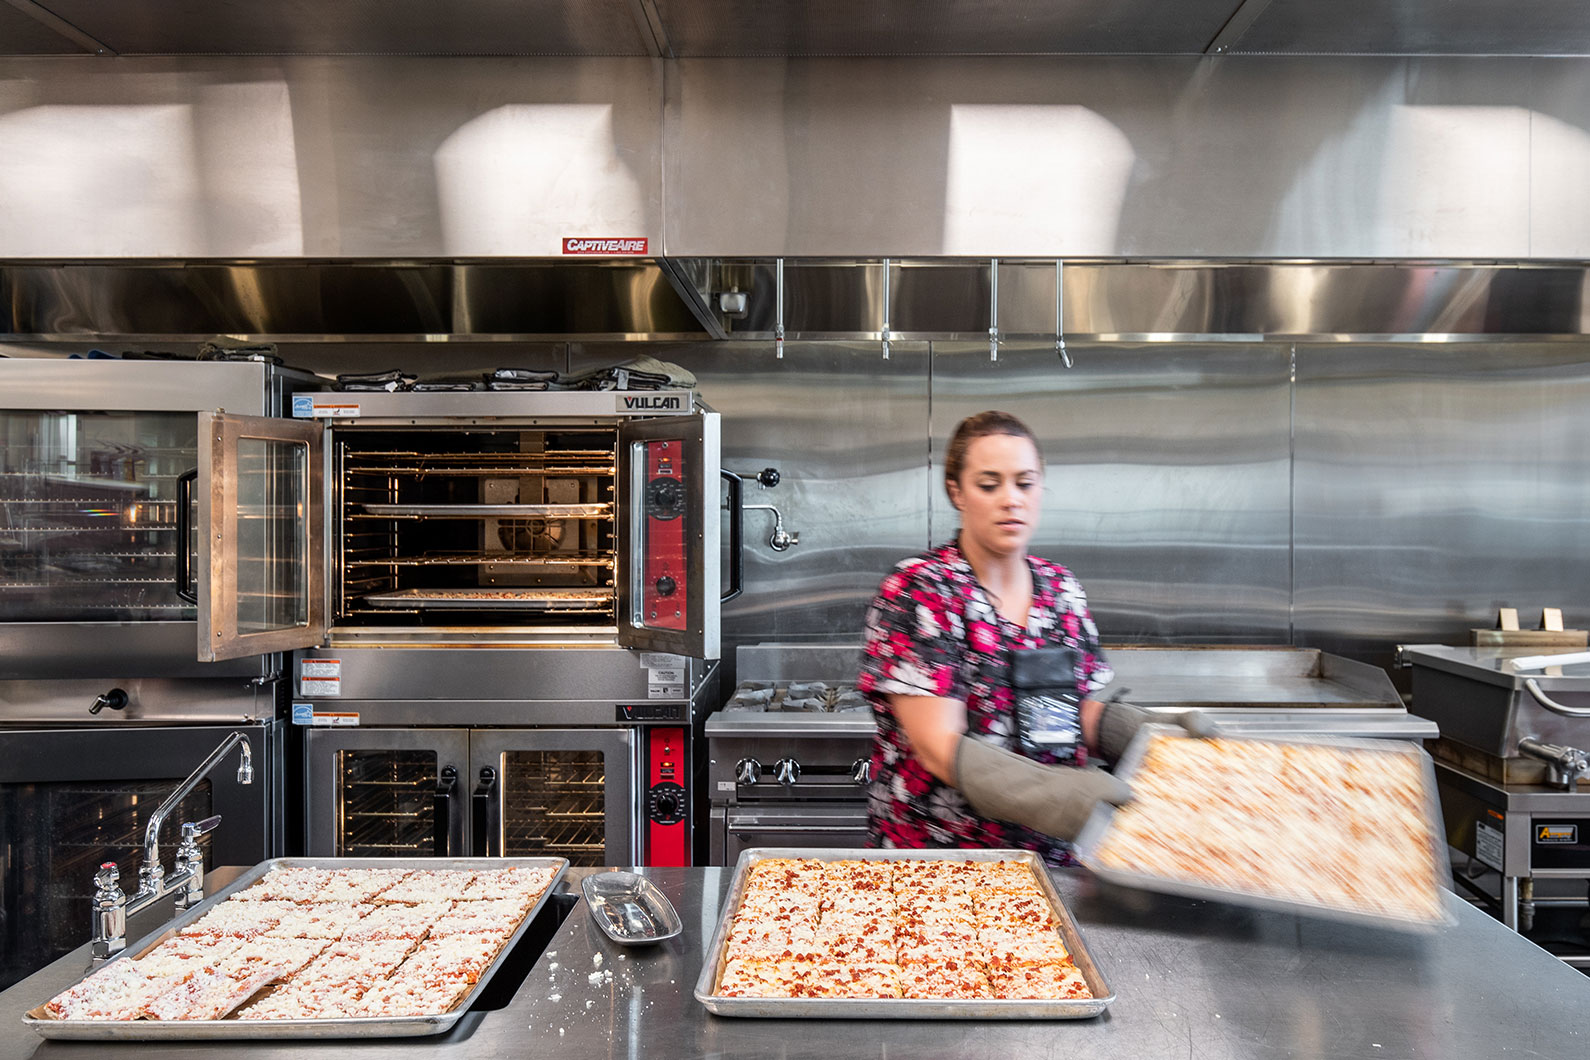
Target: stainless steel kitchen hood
x,y
522,300
832,299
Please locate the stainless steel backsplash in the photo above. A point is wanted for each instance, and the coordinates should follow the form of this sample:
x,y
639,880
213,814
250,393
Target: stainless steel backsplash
x,y
1346,496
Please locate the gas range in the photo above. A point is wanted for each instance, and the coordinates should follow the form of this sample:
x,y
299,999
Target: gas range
x,y
789,754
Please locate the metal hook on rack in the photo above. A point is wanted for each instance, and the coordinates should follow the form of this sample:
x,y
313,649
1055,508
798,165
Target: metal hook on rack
x,y
886,309
993,309
778,319
1060,312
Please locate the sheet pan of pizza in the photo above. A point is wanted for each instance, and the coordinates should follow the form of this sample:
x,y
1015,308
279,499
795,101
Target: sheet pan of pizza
x,y
898,934
1340,828
315,948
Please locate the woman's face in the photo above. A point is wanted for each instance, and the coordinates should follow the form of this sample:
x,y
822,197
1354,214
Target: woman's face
x,y
999,493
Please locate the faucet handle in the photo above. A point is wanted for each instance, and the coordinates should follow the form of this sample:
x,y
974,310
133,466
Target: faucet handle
x,y
192,830
109,934
106,879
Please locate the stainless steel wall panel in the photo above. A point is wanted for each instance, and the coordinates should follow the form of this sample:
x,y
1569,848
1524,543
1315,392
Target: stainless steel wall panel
x,y
342,157
1434,484
1167,487
848,432
360,27
944,27
1160,157
1559,147
1474,27
1094,156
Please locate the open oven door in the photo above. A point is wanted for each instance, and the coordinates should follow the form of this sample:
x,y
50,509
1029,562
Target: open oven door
x,y
260,556
669,567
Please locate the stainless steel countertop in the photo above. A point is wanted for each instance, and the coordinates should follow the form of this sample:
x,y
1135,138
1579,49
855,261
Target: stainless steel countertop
x,y
1194,979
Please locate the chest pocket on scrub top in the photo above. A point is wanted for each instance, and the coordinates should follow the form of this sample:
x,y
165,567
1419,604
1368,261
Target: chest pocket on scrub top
x,y
1045,684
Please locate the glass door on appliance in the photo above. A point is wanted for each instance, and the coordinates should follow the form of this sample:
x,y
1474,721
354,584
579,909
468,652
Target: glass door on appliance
x,y
669,585
93,515
385,793
71,800
566,793
261,565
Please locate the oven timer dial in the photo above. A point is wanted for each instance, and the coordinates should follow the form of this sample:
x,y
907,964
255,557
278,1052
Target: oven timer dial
x,y
665,498
665,802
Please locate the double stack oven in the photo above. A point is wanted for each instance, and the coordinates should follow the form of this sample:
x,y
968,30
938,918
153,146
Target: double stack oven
x,y
517,638
104,706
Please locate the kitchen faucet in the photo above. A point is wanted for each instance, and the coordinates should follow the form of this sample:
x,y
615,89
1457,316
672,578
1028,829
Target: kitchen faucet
x,y
112,906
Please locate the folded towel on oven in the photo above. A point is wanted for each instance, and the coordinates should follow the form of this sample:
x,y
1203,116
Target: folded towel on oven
x,y
389,381
452,381
637,373
228,351
521,379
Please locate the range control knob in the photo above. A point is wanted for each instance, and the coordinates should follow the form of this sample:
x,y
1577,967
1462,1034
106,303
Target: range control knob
x,y
748,771
787,772
666,586
861,771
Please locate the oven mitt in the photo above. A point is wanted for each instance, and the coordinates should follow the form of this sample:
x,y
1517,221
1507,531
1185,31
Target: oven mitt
x,y
1120,721
1054,800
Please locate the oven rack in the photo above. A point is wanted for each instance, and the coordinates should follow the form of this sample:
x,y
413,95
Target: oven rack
x,y
536,777
504,470
117,529
575,601
484,458
85,581
600,510
91,501
475,559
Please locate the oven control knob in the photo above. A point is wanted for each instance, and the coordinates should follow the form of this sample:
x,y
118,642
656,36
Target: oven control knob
x,y
666,586
665,498
748,771
665,802
861,771
787,772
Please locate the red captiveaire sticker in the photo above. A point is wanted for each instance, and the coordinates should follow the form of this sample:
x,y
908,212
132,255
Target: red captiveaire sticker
x,y
589,245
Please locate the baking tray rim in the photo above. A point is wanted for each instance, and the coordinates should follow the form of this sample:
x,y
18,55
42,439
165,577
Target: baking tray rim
x,y
404,598
1097,826
900,1008
342,1027
594,510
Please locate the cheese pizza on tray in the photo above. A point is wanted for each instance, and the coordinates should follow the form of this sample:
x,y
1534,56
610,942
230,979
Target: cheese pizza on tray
x,y
310,943
908,928
1338,827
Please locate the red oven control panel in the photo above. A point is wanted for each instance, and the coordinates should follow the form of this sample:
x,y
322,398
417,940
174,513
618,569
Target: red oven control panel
x,y
664,582
667,798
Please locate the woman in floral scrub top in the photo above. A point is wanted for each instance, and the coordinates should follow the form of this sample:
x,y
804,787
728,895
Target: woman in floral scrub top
x,y
940,636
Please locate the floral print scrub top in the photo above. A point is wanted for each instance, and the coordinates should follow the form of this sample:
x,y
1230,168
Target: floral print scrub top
x,y
932,630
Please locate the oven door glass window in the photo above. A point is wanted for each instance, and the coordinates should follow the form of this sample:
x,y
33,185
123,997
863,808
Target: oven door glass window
x,y
554,804
90,510
386,803
273,576
53,836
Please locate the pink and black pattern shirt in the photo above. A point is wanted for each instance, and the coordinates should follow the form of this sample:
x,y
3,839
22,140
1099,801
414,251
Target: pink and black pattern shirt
x,y
933,631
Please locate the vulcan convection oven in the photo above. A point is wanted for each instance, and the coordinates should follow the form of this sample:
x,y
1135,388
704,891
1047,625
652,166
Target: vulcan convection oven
x,y
520,637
